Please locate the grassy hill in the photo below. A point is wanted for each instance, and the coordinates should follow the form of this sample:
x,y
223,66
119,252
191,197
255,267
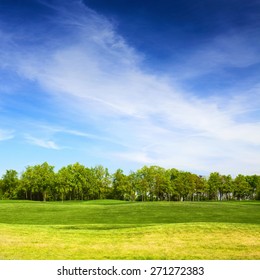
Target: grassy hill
x,y
110,229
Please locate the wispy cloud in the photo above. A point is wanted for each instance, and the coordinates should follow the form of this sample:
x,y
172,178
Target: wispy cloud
x,y
100,76
236,48
6,134
48,144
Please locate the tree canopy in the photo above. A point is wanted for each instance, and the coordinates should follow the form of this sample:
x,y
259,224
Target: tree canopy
x,y
150,183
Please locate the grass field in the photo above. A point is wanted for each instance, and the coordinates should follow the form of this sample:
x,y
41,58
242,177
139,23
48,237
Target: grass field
x,y
108,229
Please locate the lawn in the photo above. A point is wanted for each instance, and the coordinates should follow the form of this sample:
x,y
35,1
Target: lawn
x,y
108,229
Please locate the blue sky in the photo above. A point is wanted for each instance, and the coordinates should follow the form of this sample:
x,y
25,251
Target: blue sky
x,y
127,83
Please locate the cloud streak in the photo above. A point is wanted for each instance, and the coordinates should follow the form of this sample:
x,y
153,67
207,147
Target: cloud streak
x,y
43,143
6,134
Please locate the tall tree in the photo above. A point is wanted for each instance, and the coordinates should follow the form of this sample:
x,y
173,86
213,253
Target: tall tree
x,y
120,184
132,186
79,180
254,182
214,185
241,187
227,187
161,182
172,188
200,187
9,184
103,182
144,183
38,180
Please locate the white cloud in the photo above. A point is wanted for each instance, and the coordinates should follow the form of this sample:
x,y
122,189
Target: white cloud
x,y
48,144
6,134
238,48
99,75
139,157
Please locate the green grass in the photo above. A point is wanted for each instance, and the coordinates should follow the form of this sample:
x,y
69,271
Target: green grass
x,y
109,229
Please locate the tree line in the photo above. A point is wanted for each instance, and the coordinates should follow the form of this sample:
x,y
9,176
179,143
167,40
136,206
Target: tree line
x,y
153,183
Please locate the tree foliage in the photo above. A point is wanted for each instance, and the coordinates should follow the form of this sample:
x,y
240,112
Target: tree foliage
x,y
149,183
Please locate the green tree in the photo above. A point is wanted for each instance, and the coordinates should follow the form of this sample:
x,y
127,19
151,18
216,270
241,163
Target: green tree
x,y
38,180
185,185
144,183
132,186
214,185
70,181
254,182
64,183
90,189
9,184
241,187
200,187
102,181
227,187
161,182
26,185
79,180
120,185
173,183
